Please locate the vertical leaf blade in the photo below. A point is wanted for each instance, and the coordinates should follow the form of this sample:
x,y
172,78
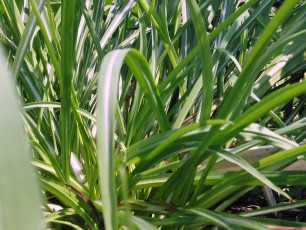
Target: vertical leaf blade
x,y
67,67
107,100
205,56
19,196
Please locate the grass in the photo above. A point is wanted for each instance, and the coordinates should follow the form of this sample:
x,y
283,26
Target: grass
x,y
129,105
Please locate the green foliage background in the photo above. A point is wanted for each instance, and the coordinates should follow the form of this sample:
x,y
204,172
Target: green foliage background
x,y
171,88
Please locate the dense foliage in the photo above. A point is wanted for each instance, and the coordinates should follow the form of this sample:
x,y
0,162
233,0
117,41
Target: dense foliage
x,y
172,88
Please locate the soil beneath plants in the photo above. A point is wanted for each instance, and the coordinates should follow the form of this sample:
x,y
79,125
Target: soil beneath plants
x,y
255,199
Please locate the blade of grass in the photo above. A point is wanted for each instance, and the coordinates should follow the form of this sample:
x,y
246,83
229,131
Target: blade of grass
x,y
233,103
25,39
276,161
215,218
115,23
67,68
108,87
246,166
19,196
69,197
276,208
214,178
107,101
265,105
162,29
41,21
206,62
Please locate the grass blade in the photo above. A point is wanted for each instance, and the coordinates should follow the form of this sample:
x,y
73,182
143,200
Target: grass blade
x,y
108,88
19,196
265,105
215,218
67,67
107,101
25,39
205,56
250,169
234,102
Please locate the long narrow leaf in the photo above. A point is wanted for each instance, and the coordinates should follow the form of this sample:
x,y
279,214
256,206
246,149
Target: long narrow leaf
x,y
19,196
206,62
67,67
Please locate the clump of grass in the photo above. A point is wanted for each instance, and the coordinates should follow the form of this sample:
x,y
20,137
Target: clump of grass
x,y
172,89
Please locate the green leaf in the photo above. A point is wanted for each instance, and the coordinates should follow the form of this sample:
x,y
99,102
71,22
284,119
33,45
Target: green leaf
x,y
215,218
107,99
67,67
19,193
205,56
246,166
234,103
25,39
266,104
